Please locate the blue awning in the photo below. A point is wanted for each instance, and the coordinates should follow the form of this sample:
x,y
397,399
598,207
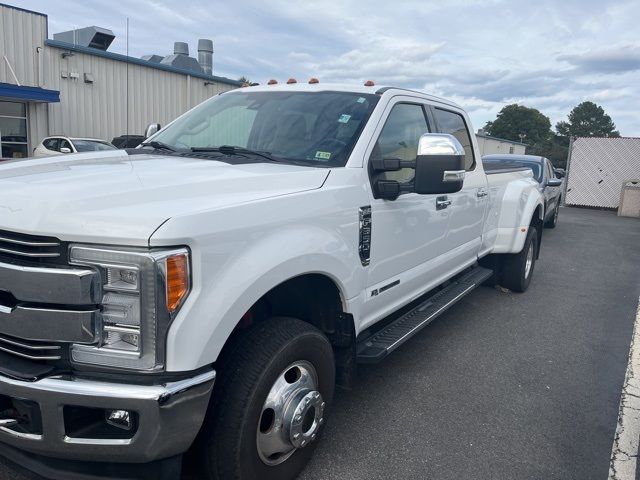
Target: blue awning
x,y
28,94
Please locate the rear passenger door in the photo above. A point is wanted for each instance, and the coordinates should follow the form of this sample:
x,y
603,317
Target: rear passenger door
x,y
468,206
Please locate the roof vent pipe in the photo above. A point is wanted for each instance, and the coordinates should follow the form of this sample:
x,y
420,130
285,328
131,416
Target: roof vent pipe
x,y
205,55
181,48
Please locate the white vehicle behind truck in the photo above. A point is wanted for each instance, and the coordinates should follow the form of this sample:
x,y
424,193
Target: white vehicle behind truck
x,y
206,291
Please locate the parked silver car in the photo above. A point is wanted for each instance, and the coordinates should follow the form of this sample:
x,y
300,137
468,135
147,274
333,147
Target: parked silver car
x,y
58,145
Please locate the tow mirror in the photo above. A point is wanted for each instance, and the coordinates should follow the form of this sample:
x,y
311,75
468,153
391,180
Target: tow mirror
x,y
439,164
152,129
439,168
554,182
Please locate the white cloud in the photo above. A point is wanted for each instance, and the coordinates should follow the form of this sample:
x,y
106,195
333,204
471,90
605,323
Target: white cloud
x,y
482,54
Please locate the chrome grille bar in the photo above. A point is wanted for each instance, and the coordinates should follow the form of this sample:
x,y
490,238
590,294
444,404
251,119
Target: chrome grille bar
x,y
32,247
63,286
50,324
27,243
30,254
30,350
32,346
30,357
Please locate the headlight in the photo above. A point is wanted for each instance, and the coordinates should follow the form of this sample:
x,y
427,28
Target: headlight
x,y
141,292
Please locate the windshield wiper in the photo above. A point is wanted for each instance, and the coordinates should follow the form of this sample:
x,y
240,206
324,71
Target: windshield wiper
x,y
158,146
233,150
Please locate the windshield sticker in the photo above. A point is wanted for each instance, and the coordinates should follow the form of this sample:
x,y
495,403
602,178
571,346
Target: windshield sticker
x,y
323,155
344,118
361,100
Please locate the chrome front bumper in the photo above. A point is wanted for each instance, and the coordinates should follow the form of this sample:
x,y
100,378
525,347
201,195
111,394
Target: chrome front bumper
x,y
169,417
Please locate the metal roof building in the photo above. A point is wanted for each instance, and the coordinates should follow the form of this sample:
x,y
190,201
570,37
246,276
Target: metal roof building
x,y
489,145
71,85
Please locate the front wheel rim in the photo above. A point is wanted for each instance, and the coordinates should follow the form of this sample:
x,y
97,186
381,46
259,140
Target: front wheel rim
x,y
291,415
529,261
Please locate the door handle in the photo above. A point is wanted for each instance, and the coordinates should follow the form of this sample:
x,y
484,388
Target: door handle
x,y
482,192
442,203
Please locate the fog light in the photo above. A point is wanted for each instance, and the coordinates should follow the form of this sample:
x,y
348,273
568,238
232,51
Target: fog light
x,y
120,418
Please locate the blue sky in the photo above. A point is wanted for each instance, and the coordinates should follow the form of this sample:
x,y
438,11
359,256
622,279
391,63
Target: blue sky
x,y
484,54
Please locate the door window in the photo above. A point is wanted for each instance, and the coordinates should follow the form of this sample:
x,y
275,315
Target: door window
x,y
399,138
51,144
454,124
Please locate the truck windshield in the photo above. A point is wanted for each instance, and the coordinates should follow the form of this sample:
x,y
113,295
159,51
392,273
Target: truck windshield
x,y
315,128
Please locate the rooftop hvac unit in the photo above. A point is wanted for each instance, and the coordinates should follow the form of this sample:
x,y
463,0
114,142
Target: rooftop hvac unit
x,y
93,37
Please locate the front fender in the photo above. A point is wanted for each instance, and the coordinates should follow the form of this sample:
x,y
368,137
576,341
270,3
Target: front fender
x,y
222,297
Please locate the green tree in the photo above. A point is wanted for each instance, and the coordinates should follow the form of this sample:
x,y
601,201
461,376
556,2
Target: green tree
x,y
522,124
587,120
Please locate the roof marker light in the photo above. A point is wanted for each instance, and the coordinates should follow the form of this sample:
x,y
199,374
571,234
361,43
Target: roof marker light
x,y
369,83
291,81
272,82
313,80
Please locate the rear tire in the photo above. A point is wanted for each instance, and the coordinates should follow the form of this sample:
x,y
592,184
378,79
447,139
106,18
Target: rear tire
x,y
518,268
261,363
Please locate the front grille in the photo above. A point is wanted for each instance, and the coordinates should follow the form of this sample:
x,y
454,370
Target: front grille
x,y
32,248
29,349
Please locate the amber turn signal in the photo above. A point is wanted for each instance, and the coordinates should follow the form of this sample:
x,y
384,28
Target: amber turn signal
x,y
177,280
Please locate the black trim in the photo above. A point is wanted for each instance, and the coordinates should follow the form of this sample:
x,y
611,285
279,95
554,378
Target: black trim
x,y
388,286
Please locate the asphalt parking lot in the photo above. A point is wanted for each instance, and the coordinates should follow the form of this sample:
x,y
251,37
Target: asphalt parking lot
x,y
503,386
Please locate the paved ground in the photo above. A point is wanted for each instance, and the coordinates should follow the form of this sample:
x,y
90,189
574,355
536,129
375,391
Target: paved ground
x,y
503,386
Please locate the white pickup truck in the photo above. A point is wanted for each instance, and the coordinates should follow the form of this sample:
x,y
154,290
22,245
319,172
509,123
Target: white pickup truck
x,y
207,291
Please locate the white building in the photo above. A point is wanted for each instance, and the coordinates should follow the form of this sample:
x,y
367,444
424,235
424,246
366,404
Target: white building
x,y
489,145
78,88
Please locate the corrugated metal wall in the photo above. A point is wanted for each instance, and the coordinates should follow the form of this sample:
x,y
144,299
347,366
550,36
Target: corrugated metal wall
x,y
99,109
597,169
21,33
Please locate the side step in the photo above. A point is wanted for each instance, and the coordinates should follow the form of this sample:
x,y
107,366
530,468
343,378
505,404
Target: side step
x,y
382,343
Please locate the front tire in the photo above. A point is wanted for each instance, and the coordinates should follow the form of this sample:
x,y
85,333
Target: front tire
x,y
518,268
270,402
553,221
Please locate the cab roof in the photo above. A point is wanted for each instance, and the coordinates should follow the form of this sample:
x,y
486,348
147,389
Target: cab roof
x,y
343,87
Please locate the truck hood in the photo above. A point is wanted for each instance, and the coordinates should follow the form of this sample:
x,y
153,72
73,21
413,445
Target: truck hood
x,y
112,197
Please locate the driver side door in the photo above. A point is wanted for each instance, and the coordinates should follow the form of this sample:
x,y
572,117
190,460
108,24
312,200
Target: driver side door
x,y
408,234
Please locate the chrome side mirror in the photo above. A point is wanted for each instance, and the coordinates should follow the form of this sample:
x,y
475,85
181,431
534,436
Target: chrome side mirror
x,y
439,164
152,129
